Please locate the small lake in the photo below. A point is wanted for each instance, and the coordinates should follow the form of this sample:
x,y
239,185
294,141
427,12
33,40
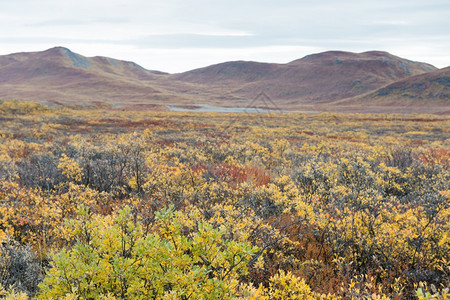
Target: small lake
x,y
210,108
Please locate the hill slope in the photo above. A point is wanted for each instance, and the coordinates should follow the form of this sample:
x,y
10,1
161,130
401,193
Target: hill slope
x,y
61,75
429,92
315,82
318,78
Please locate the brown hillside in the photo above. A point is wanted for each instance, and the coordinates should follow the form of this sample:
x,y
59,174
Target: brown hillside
x,y
61,75
318,78
315,82
430,92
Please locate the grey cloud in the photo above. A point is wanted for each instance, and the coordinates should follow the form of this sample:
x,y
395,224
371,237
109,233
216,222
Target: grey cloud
x,y
353,25
76,22
57,22
210,41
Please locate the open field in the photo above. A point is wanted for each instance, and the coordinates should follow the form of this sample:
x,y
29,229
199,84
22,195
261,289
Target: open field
x,y
109,204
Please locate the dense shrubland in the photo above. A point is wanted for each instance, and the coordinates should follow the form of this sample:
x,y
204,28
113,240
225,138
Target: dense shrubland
x,y
121,205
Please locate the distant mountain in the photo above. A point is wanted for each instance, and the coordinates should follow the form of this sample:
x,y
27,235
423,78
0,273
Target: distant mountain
x,y
317,78
325,81
61,75
432,86
428,90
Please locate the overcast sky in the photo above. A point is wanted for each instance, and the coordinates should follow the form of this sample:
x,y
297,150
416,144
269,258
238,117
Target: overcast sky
x,y
180,35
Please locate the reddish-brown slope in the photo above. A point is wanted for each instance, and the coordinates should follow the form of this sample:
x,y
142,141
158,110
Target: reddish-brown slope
x,y
318,78
316,81
59,74
425,90
235,72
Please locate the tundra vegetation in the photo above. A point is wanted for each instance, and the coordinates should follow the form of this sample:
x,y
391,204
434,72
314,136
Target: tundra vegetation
x,y
106,204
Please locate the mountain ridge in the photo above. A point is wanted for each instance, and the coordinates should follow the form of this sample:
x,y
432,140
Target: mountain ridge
x,y
317,78
322,79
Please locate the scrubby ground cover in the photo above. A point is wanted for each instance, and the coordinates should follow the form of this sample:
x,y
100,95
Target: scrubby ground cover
x,y
156,205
